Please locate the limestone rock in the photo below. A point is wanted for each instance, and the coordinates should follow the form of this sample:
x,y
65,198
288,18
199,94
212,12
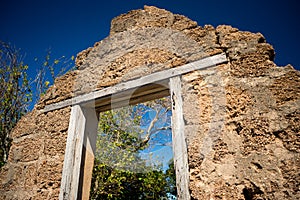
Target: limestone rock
x,y
241,118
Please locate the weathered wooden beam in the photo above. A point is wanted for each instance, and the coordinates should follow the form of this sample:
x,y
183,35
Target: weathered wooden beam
x,y
73,155
145,80
79,156
133,100
131,94
179,141
89,149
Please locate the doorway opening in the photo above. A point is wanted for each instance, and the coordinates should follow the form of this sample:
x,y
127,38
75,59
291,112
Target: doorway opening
x,y
134,155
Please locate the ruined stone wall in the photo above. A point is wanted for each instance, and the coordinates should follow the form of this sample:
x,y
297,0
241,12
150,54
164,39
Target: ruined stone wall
x,y
36,157
241,118
244,143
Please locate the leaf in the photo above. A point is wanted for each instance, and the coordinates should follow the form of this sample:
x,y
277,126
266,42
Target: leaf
x,y
47,83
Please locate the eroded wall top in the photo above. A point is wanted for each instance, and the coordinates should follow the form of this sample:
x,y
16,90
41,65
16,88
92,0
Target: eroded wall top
x,y
241,118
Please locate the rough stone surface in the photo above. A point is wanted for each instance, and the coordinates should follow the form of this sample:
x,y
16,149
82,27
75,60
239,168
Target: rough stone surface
x,y
254,150
241,118
35,160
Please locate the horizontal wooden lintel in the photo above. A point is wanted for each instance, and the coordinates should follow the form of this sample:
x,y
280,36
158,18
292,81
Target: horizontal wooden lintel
x,y
155,78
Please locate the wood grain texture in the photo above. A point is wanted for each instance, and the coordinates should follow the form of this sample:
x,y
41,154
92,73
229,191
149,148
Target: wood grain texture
x,y
179,141
71,169
143,81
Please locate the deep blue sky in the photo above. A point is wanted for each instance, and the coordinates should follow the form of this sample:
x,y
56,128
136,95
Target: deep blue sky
x,y
69,26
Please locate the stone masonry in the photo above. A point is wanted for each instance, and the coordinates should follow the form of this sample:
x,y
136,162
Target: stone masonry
x,y
242,118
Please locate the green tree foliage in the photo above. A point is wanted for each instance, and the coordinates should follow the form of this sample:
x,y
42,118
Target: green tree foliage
x,y
48,70
119,170
15,94
16,88
111,183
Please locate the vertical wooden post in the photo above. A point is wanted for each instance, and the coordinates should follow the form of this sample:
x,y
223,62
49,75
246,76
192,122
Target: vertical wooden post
x,y
179,141
73,154
89,149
